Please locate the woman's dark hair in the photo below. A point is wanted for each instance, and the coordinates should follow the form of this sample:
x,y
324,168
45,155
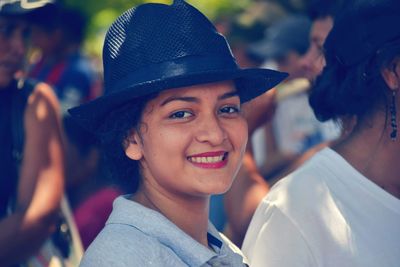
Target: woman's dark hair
x,y
343,91
113,134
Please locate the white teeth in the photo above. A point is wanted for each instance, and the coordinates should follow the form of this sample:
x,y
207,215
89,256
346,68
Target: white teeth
x,y
206,159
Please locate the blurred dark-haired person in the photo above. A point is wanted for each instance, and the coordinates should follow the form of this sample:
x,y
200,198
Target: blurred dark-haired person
x,y
90,191
313,135
284,43
57,36
322,14
31,154
294,128
342,207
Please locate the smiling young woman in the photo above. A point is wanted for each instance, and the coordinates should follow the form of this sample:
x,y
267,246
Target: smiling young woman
x,y
171,122
199,134
189,145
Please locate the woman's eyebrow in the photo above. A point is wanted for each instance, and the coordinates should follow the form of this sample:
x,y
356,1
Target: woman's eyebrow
x,y
228,95
179,98
195,99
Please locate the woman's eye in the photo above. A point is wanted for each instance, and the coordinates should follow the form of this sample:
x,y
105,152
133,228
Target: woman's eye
x,y
230,109
180,115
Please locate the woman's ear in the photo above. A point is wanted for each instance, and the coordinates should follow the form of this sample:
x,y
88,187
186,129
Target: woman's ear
x,y
133,148
391,74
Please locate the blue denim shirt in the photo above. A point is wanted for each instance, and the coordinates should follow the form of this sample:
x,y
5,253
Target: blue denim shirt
x,y
137,236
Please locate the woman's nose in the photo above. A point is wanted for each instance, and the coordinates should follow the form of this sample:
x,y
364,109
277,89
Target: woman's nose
x,y
211,130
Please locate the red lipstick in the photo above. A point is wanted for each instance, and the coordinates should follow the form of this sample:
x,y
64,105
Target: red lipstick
x,y
209,160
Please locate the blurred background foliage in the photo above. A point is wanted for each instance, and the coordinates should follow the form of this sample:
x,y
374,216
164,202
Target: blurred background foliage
x,y
246,19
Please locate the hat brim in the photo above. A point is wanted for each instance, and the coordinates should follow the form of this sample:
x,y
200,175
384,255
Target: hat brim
x,y
250,83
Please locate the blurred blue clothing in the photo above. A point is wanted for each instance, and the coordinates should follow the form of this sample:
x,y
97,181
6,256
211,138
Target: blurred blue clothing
x,y
217,212
72,78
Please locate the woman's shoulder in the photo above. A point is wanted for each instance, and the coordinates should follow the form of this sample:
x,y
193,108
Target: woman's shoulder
x,y
303,186
120,236
124,245
42,105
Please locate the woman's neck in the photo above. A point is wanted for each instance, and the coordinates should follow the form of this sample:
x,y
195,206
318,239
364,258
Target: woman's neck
x,y
190,214
370,150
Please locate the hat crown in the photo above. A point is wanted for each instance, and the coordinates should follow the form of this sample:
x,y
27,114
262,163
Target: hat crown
x,y
156,47
151,34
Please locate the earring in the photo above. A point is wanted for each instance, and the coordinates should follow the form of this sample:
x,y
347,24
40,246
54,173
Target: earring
x,y
393,113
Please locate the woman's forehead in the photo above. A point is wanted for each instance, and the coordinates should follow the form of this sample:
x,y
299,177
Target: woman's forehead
x,y
217,89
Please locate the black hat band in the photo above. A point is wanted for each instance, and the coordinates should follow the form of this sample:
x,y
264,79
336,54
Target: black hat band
x,y
175,68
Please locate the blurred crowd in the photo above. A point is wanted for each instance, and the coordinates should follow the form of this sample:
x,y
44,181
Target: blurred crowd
x,y
55,162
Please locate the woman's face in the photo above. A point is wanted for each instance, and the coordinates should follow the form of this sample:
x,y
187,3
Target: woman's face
x,y
191,140
13,35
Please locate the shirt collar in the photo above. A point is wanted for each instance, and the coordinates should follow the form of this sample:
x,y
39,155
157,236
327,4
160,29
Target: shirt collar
x,y
189,250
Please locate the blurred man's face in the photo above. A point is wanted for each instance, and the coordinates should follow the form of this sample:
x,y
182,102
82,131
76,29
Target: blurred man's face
x,y
47,40
314,61
13,37
290,63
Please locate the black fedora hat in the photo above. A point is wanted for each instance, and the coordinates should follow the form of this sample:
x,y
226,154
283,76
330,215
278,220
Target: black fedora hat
x,y
154,47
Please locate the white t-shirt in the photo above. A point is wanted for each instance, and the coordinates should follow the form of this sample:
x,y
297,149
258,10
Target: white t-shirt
x,y
325,214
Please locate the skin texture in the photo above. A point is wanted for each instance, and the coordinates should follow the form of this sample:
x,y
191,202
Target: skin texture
x,y
40,184
176,127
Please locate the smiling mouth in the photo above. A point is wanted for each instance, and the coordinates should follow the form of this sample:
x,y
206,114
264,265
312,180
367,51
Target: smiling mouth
x,y
208,159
